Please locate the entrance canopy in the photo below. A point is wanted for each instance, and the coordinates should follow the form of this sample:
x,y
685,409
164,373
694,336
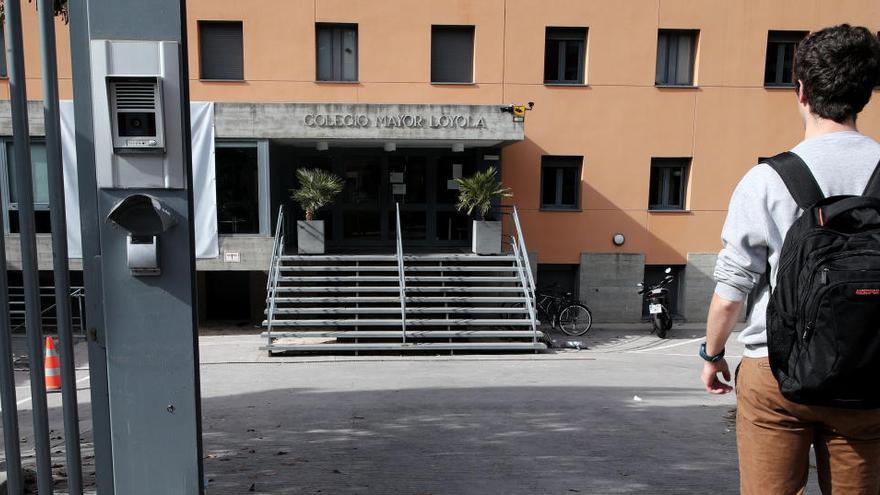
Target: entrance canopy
x,y
368,125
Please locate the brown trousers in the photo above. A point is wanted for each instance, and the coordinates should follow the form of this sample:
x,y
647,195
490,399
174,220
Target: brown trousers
x,y
774,435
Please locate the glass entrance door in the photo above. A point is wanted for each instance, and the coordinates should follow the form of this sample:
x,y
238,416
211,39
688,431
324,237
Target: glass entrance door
x,y
363,214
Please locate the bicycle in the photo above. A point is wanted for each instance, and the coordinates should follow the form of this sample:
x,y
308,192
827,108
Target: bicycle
x,y
563,312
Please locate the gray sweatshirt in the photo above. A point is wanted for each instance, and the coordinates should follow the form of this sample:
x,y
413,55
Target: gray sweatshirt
x,y
762,210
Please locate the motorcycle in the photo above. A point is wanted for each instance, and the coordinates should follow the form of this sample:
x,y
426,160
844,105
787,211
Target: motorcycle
x,y
658,304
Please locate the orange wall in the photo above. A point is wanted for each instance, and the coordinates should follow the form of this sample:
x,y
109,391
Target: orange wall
x,y
618,122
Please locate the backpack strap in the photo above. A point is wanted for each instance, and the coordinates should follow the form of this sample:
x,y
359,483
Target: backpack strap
x,y
873,187
798,179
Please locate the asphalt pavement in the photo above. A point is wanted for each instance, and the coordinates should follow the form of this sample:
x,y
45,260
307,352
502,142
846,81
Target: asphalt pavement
x,y
625,413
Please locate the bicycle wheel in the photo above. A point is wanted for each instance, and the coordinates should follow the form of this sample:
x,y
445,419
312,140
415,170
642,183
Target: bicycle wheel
x,y
575,319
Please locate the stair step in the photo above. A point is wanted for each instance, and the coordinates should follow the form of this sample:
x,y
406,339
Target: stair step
x,y
395,278
349,278
393,268
350,300
457,268
339,257
396,300
458,257
338,268
395,289
396,310
461,279
427,346
465,299
386,322
415,334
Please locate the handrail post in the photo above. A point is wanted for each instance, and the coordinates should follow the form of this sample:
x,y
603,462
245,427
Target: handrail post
x,y
528,296
272,275
525,252
401,275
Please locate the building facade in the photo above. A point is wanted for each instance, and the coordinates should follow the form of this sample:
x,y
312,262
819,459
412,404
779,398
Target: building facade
x,y
646,114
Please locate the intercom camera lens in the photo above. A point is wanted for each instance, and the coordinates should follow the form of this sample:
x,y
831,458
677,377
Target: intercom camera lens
x,y
137,124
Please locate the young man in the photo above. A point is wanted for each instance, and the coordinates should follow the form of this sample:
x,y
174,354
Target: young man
x,y
836,70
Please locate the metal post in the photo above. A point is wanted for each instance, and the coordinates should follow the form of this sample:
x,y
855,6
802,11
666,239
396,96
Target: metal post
x,y
25,195
63,320
7,383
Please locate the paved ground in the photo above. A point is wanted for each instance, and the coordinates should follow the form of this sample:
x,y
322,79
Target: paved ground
x,y
625,415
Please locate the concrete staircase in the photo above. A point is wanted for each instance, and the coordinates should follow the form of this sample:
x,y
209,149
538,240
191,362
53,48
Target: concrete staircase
x,y
422,302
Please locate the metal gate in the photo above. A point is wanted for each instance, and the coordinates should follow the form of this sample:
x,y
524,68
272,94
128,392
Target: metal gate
x,y
22,181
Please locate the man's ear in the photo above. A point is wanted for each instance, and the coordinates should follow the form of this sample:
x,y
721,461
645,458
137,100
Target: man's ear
x,y
802,97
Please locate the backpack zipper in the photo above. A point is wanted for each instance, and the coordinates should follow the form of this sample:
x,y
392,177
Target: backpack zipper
x,y
811,322
823,272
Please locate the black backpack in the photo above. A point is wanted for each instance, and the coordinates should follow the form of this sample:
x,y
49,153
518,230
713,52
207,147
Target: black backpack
x,y
823,317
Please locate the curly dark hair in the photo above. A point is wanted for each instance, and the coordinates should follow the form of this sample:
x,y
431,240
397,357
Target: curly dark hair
x,y
839,67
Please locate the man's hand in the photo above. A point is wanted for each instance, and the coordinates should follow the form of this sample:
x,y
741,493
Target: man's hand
x,y
710,377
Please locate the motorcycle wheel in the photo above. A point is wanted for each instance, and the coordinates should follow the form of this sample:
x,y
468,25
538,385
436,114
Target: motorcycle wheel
x,y
659,322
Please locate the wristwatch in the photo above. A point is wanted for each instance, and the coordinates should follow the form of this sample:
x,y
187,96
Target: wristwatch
x,y
711,359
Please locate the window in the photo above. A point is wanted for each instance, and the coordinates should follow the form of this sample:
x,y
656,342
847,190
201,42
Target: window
x,y
452,54
2,52
220,51
780,57
238,197
40,172
675,57
337,57
565,55
560,182
668,183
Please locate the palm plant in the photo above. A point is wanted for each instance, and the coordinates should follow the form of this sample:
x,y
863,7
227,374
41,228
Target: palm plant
x,y
477,192
317,188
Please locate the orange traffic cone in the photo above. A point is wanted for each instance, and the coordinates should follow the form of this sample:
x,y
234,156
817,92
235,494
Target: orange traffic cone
x,y
52,366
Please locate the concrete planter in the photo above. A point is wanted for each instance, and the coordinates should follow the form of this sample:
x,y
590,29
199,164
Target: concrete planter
x,y
310,237
487,237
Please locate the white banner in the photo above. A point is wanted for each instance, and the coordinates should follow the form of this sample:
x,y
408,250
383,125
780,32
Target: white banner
x,y
204,188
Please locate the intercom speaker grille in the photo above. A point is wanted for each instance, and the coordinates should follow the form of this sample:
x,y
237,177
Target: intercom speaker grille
x,y
135,95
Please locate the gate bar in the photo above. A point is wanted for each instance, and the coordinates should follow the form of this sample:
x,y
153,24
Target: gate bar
x,y
25,195
63,320
7,382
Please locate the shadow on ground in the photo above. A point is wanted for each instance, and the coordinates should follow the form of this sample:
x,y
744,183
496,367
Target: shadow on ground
x,y
494,440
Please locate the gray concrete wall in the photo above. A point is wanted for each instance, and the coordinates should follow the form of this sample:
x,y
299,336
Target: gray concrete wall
x,y
608,285
36,126
44,253
697,286
255,252
364,121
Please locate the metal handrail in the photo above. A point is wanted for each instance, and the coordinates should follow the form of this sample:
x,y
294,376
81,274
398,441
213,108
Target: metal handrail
x,y
522,247
275,245
528,295
401,275
272,282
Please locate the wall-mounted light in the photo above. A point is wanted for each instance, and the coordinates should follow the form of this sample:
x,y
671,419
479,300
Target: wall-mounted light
x,y
457,147
618,239
390,147
322,146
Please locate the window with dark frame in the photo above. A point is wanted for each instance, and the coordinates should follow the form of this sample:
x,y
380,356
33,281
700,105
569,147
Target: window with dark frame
x,y
336,52
221,54
560,182
238,196
3,73
778,67
565,55
668,183
676,53
40,171
452,54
